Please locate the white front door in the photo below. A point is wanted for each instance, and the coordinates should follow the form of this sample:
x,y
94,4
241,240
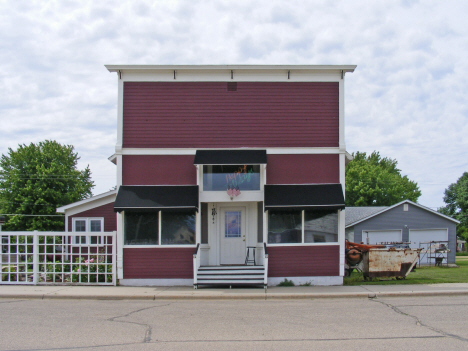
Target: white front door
x,y
233,235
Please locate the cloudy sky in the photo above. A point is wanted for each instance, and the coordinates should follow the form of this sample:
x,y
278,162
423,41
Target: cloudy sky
x,y
406,99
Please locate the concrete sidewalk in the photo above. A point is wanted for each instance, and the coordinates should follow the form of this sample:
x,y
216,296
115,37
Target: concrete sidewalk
x,y
160,293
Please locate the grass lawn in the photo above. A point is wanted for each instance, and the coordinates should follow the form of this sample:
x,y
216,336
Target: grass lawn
x,y
422,275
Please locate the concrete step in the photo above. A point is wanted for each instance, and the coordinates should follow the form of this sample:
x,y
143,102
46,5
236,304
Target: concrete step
x,y
229,277
237,271
229,268
230,282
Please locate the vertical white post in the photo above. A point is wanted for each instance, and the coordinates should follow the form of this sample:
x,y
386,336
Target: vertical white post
x,y
341,112
195,268
303,226
119,243
35,258
341,215
114,259
118,146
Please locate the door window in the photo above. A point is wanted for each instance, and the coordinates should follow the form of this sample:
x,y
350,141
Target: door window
x,y
232,222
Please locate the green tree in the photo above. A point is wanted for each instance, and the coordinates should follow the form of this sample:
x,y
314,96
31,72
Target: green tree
x,y
376,181
35,179
456,198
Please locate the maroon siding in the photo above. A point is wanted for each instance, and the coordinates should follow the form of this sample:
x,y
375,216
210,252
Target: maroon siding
x,y
158,263
158,169
303,261
303,169
106,211
206,114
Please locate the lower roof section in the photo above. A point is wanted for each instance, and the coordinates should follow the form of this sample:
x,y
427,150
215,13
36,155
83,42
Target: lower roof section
x,y
307,196
138,198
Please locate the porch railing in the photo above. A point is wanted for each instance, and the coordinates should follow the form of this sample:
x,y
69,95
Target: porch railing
x,y
265,264
196,265
58,258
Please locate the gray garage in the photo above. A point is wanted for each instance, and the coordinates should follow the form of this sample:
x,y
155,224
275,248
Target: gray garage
x,y
404,222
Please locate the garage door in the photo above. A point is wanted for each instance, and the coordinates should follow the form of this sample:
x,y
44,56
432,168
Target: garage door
x,y
425,235
372,237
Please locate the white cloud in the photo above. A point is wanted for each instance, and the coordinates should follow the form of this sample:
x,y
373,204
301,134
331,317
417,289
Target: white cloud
x,y
406,99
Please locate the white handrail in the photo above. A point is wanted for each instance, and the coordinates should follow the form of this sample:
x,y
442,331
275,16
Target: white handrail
x,y
196,265
265,264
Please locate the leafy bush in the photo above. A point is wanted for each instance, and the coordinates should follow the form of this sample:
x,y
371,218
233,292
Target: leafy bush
x,y
286,282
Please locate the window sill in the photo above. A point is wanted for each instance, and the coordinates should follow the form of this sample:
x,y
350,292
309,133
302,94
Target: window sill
x,y
301,244
190,246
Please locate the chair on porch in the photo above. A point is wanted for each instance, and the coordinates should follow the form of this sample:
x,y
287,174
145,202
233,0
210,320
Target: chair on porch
x,y
249,259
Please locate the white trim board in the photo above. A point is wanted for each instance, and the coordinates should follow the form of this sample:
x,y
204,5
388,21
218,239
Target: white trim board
x,y
88,204
270,151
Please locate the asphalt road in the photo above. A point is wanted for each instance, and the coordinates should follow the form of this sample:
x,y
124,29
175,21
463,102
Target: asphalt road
x,y
402,323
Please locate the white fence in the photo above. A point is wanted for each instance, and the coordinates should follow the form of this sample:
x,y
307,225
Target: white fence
x,y
58,258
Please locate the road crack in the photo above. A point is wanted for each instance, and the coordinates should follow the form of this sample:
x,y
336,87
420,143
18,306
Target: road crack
x,y
419,322
148,328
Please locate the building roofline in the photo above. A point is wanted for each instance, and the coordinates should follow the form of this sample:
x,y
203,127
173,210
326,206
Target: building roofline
x,y
113,159
398,204
85,201
344,68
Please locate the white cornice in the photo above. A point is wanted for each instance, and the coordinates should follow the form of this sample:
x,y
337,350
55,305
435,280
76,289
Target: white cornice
x,y
230,73
116,68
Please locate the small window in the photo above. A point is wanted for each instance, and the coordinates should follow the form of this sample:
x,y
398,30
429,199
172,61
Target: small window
x,y
141,228
177,228
320,227
95,225
85,225
80,225
284,227
222,177
405,207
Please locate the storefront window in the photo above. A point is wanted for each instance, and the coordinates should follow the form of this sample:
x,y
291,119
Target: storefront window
x,y
320,226
284,227
222,177
141,228
177,228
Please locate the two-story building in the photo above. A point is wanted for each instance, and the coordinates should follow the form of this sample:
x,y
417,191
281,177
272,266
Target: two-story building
x,y
227,175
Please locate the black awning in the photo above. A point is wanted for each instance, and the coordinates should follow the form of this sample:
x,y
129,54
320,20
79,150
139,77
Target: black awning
x,y
158,197
230,157
316,196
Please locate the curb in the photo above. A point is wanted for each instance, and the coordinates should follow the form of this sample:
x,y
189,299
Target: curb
x,y
369,295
